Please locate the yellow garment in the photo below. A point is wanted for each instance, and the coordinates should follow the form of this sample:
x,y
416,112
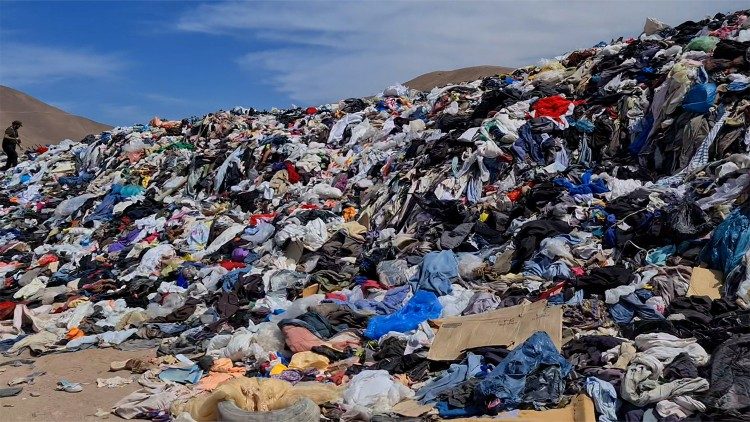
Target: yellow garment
x,y
75,302
354,230
132,319
305,360
280,182
277,369
552,70
256,395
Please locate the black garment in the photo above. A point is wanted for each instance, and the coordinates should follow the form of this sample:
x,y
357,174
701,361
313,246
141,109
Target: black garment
x,y
180,314
587,350
11,135
531,235
339,314
314,322
332,354
730,376
10,150
391,347
250,287
451,239
681,367
461,395
413,365
228,304
731,49
544,386
541,195
490,354
602,279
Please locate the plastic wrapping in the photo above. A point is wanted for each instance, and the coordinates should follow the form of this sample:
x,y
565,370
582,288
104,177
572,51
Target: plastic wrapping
x,y
701,96
422,306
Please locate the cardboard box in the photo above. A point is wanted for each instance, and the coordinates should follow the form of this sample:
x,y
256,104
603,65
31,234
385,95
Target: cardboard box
x,y
502,327
580,409
705,282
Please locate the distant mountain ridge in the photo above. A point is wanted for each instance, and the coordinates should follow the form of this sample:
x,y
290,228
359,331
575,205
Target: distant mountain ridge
x,y
445,77
42,123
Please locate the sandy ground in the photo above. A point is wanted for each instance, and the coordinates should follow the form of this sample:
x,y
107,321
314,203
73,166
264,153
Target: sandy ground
x,y
444,77
83,367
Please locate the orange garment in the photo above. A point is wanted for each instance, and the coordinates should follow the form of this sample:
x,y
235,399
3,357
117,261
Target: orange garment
x,y
225,365
213,379
74,332
349,213
221,370
46,259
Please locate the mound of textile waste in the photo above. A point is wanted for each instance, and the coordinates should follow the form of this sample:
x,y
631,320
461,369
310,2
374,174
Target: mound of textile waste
x,y
571,237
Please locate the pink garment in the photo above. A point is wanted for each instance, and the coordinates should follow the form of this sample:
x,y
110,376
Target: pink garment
x,y
300,339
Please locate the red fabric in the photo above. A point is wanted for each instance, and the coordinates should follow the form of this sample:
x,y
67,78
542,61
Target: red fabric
x,y
255,218
42,149
578,271
6,310
293,175
309,206
514,195
231,265
555,107
47,259
557,288
311,110
371,284
338,377
336,295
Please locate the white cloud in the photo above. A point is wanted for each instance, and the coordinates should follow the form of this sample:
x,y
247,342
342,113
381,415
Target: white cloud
x,y
23,64
165,99
322,51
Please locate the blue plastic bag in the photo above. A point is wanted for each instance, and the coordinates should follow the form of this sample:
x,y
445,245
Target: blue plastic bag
x,y
586,186
423,305
729,242
701,96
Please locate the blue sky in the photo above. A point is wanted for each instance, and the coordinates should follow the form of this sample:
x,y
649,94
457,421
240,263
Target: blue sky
x,y
124,62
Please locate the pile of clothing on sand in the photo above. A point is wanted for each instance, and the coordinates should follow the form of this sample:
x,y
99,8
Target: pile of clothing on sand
x,y
571,238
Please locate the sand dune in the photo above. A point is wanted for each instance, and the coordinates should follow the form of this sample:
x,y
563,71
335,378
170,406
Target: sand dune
x,y
444,77
42,123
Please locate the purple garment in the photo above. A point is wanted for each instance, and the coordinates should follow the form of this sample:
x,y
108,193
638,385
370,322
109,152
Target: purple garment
x,y
123,242
290,375
239,254
393,301
340,182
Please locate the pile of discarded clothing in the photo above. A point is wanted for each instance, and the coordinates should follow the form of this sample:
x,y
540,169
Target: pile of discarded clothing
x,y
571,237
